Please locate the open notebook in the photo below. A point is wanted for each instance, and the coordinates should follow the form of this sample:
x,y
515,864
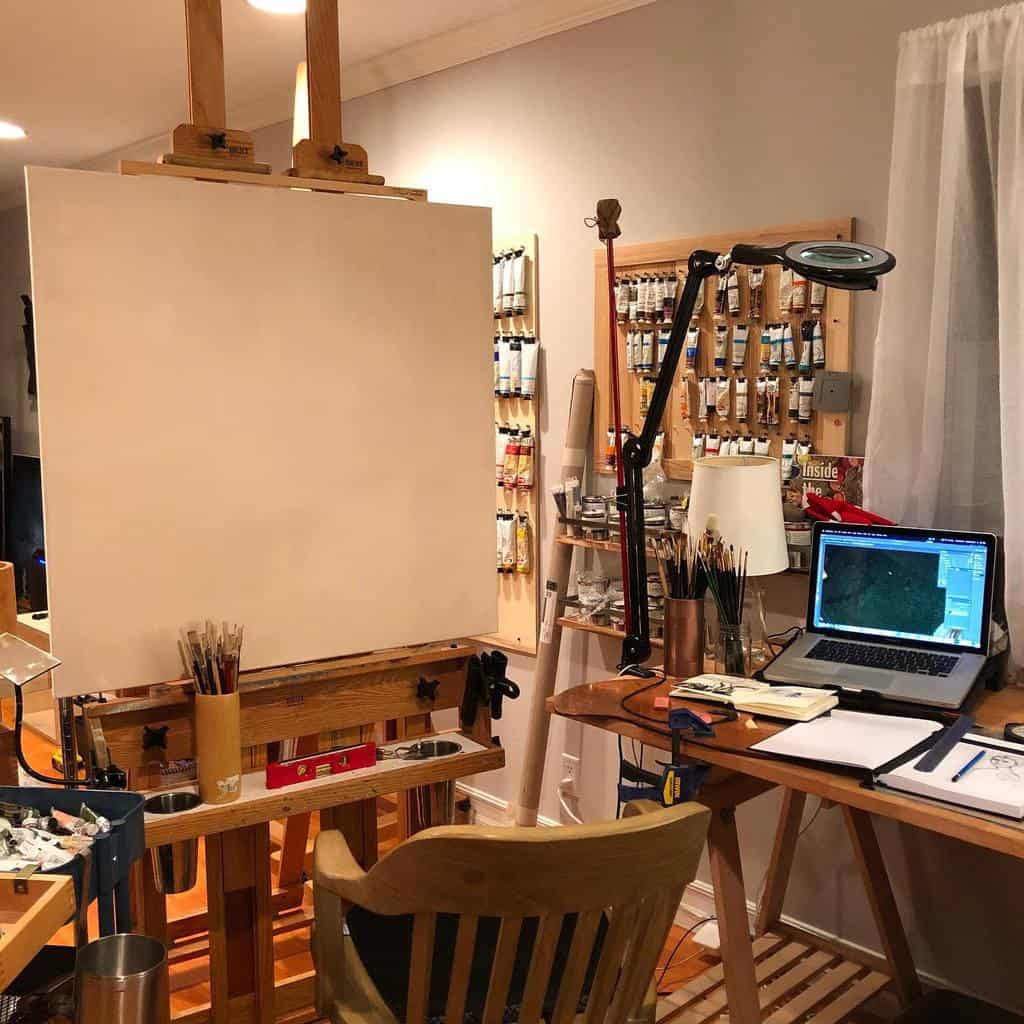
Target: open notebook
x,y
995,784
791,703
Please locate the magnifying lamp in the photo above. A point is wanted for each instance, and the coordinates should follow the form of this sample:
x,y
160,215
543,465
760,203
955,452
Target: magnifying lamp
x,y
852,266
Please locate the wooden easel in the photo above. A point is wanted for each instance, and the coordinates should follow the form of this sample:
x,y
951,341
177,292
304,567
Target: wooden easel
x,y
207,149
344,700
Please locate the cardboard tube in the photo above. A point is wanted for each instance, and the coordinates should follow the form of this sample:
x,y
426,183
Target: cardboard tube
x,y
581,407
219,747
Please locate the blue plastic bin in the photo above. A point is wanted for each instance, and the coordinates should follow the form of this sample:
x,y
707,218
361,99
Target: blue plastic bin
x,y
112,854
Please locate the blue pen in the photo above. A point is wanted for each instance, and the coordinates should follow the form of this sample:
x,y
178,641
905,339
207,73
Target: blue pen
x,y
967,767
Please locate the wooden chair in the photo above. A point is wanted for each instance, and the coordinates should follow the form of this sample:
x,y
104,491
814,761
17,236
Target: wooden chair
x,y
480,924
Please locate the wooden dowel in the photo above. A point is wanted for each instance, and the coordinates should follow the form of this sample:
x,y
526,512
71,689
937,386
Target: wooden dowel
x,y
204,38
323,69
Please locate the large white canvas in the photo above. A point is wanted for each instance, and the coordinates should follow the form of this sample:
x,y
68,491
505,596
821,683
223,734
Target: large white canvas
x,y
261,405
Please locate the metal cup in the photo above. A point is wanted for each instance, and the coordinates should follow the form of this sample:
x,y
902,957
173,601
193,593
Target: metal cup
x,y
122,978
174,864
684,637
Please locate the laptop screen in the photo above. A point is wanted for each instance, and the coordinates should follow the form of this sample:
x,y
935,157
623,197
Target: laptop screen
x,y
903,586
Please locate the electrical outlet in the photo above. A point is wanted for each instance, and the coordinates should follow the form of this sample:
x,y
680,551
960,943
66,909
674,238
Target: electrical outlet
x,y
570,768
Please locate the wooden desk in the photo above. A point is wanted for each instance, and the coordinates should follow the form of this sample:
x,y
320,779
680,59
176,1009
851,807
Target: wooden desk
x,y
601,705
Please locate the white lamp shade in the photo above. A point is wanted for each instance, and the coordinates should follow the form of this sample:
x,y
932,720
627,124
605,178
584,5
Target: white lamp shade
x,y
745,493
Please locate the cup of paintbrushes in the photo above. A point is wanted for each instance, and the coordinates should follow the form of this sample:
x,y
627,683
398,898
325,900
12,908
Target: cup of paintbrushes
x,y
684,636
218,746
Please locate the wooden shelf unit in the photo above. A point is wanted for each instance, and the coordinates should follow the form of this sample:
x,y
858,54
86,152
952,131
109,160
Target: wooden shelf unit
x,y
567,622
829,432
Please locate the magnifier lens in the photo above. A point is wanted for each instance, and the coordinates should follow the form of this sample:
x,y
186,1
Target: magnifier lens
x,y
848,256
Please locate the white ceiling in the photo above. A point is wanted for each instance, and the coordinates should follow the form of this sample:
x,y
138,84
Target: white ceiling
x,y
87,78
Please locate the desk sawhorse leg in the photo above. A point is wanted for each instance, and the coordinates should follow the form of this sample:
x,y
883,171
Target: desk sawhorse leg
x,y
869,859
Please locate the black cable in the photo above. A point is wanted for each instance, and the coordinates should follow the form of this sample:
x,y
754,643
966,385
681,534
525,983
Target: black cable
x,y
668,963
19,712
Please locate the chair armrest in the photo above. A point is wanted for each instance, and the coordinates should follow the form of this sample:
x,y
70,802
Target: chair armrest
x,y
336,869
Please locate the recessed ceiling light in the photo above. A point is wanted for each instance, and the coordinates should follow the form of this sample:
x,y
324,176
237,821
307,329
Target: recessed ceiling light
x,y
279,6
11,131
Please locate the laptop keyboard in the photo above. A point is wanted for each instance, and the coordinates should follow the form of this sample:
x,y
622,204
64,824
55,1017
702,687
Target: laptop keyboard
x,y
892,659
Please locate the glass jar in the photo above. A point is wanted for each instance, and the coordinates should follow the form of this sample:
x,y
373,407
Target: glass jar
x,y
657,621
591,588
677,516
654,588
655,516
617,616
595,517
732,652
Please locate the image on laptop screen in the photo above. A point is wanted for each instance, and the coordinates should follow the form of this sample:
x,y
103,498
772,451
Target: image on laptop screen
x,y
904,588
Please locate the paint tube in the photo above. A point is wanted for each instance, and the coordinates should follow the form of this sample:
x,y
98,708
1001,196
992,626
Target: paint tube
x,y
519,282
669,304
698,446
663,335
637,347
504,366
721,295
646,393
755,280
793,401
511,472
723,398
818,292
762,446
733,290
785,290
572,496
788,346
634,299
692,345
558,493
806,396
643,306
497,365
734,445
622,299
713,445
762,399
500,566
531,354
609,451
684,396
746,445
788,456
739,346
773,401
741,398
765,358
806,344
818,346
500,444
507,522
721,343
798,298
658,303
496,276
515,366
803,450
778,331
698,306
629,351
524,470
647,352
524,552
508,285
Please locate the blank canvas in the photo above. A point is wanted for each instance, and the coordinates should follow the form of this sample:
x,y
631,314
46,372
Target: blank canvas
x,y
262,405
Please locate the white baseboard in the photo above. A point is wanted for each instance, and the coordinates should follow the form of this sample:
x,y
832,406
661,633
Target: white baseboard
x,y
492,810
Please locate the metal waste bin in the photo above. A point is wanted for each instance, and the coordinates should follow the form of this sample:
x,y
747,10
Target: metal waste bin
x,y
122,979
174,864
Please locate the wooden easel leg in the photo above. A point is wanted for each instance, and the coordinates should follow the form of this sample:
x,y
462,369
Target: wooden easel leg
x,y
296,834
781,864
733,926
204,35
883,904
323,68
358,823
241,935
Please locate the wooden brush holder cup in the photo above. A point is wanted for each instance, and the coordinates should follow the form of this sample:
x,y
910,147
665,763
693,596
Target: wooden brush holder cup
x,y
684,637
218,747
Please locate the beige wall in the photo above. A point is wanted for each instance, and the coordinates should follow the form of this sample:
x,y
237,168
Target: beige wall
x,y
540,133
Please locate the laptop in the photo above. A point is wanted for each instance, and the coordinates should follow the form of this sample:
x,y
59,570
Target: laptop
x,y
901,612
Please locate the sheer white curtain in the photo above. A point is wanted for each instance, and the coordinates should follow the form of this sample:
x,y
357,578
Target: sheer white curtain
x,y
945,442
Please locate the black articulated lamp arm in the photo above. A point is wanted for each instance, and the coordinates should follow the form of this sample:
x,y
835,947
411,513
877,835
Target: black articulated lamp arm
x,y
636,456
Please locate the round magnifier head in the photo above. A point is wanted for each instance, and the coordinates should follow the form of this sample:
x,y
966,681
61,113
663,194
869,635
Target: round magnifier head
x,y
838,256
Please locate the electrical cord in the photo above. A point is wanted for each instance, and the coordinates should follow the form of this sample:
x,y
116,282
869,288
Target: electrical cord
x,y
675,949
19,714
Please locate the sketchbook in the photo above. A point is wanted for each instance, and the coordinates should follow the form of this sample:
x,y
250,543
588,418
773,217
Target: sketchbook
x,y
792,703
995,784
851,738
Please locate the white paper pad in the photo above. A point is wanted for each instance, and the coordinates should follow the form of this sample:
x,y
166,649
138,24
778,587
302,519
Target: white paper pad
x,y
850,738
995,784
